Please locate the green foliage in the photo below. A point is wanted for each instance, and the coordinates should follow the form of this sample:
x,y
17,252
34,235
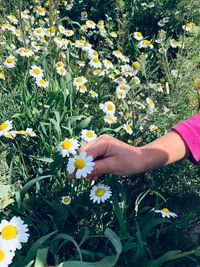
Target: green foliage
x,y
125,231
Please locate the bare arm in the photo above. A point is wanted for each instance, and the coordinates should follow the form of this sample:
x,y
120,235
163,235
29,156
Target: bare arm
x,y
114,156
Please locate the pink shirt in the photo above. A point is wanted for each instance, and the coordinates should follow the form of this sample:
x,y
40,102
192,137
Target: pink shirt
x,y
189,130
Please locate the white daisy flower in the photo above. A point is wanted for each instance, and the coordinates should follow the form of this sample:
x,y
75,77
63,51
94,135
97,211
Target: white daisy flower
x,y
110,119
153,128
113,34
120,80
166,213
66,200
88,135
80,43
42,83
68,146
108,64
138,36
98,72
59,64
100,193
79,81
11,134
150,103
82,163
167,87
118,54
62,71
188,27
123,87
121,94
127,127
2,76
6,255
92,54
95,63
108,107
161,23
86,47
13,19
82,88
36,72
174,43
10,62
81,63
145,44
136,80
93,94
100,24
5,127
25,14
61,29
41,11
68,6
38,32
84,27
51,31
30,132
91,24
27,52
13,233
157,86
69,33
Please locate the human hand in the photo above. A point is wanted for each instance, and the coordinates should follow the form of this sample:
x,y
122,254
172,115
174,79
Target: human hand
x,y
112,156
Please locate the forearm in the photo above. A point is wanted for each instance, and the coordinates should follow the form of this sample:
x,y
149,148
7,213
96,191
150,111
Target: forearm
x,y
164,150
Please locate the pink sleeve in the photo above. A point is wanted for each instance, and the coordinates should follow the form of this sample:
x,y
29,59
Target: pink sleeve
x,y
189,130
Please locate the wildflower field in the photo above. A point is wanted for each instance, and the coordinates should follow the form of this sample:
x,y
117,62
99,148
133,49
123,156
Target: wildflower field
x,y
71,71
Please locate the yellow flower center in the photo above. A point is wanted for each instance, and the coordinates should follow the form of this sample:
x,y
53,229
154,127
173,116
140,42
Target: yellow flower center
x,y
108,62
118,52
123,87
91,22
67,144
111,119
151,103
36,71
41,9
89,134
3,126
26,50
96,60
82,41
79,79
136,65
83,87
22,132
59,64
166,210
66,200
110,107
39,30
100,192
2,255
9,60
128,127
62,70
43,82
139,34
9,232
79,163
146,42
85,27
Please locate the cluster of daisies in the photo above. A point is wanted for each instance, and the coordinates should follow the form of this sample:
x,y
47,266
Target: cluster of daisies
x,y
6,130
12,234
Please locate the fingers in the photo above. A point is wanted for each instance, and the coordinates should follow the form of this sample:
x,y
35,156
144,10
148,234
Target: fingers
x,y
96,148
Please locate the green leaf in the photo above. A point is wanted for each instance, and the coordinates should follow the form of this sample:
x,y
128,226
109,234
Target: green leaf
x,y
139,200
41,257
28,185
108,261
68,238
84,123
33,250
44,159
